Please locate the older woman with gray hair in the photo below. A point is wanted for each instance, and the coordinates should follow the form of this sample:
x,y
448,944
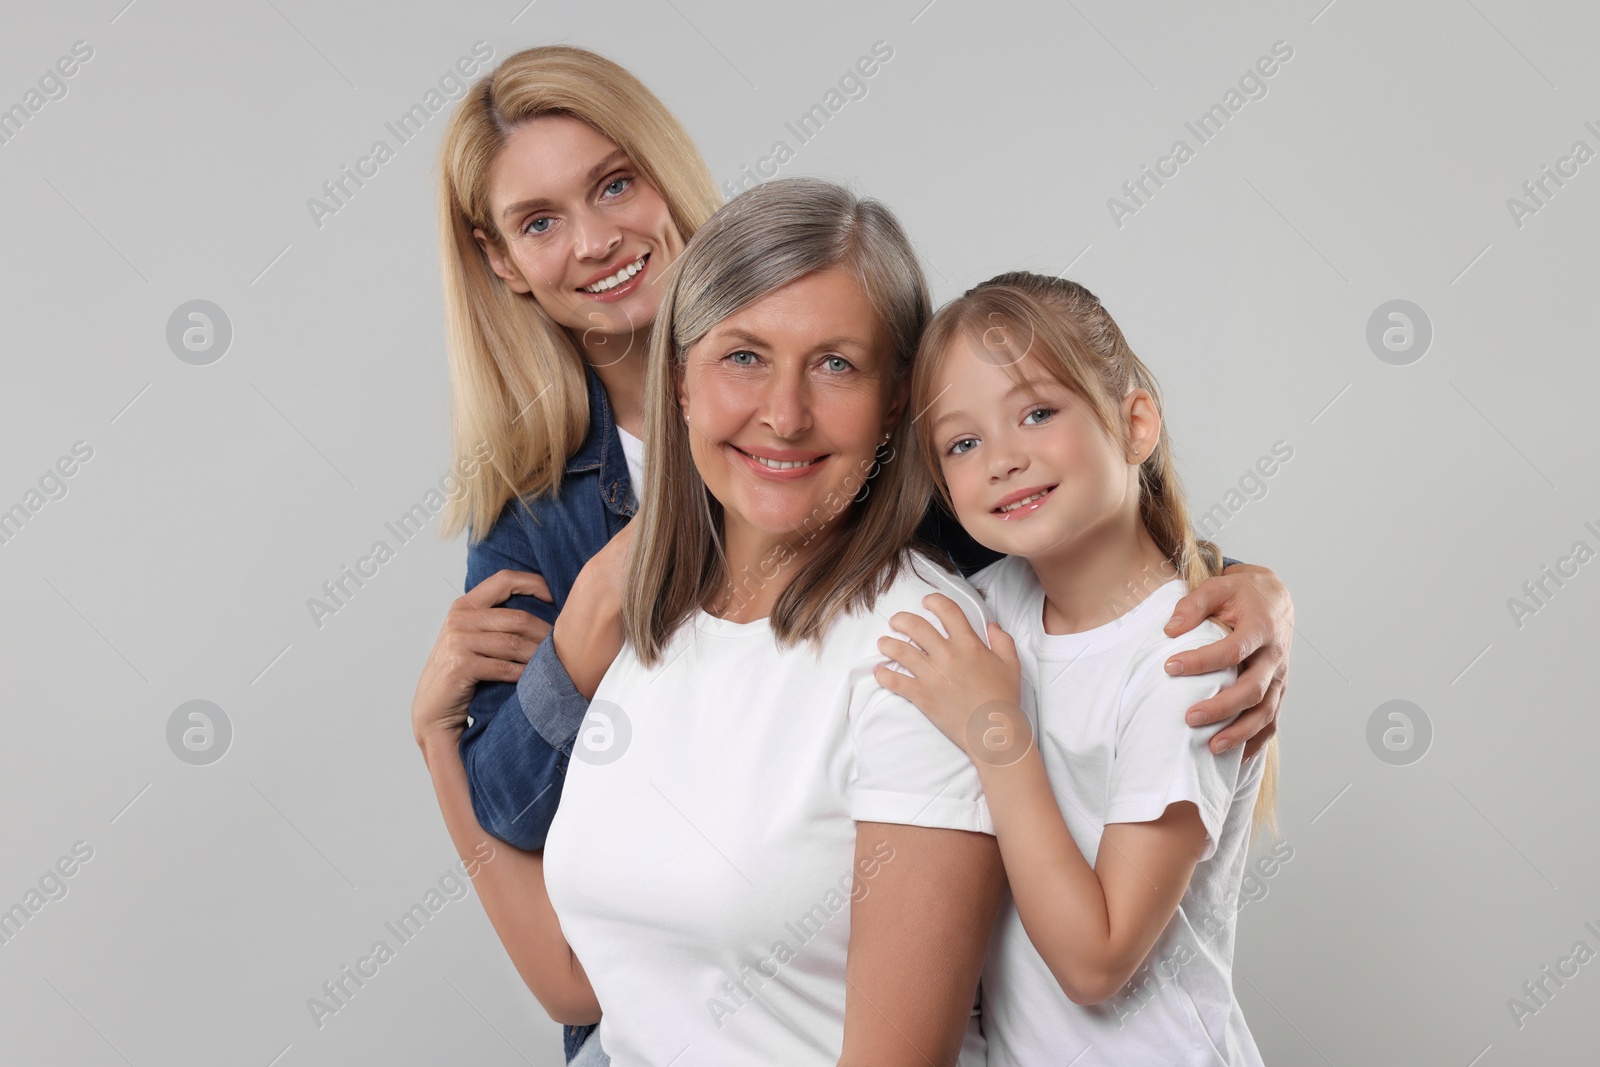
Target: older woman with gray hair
x,y
761,854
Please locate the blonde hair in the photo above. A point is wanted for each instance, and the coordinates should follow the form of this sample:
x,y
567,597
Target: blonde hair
x,y
759,242
1062,329
517,378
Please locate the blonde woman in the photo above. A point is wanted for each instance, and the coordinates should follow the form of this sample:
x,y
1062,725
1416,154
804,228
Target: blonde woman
x,y
567,191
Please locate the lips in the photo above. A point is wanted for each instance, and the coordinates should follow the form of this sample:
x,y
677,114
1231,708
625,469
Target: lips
x,y
782,464
613,280
1022,503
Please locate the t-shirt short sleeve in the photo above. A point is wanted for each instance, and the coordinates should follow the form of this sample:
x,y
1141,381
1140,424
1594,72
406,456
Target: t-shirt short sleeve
x,y
1160,759
908,772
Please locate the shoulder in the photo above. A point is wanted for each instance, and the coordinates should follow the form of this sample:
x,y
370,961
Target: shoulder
x,y
508,536
1004,583
1148,680
921,576
918,577
568,522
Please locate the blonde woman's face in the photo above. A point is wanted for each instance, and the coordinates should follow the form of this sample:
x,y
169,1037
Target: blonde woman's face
x,y
801,378
584,233
1029,468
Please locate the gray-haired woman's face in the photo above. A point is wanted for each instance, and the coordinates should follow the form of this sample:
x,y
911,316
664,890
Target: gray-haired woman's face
x,y
584,233
787,400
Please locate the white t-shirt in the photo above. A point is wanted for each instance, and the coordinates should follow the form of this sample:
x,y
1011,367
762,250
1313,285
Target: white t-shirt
x,y
701,867
1110,723
633,453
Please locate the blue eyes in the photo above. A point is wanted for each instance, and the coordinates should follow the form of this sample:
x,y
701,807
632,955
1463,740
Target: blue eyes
x,y
956,449
838,364
611,190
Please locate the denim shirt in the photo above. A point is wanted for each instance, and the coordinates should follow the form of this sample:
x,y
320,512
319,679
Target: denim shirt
x,y
514,770
519,739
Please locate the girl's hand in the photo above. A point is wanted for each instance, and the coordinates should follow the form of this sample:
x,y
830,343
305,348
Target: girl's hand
x,y
1252,603
955,681
478,642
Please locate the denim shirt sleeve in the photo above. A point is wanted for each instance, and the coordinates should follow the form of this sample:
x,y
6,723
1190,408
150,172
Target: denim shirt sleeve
x,y
513,778
519,761
507,546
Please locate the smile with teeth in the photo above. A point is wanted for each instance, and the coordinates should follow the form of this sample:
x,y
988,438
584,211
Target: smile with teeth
x,y
1025,501
618,278
781,465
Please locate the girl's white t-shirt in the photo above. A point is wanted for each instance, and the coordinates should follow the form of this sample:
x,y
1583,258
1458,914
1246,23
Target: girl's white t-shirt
x,y
1110,723
702,856
633,454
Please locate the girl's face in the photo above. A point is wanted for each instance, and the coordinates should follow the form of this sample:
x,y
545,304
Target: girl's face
x,y
584,233
800,378
1029,468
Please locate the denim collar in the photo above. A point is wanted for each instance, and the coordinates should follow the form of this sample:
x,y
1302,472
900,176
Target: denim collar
x,y
602,450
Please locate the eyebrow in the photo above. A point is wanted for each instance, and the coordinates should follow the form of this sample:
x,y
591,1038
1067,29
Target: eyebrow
x,y
734,333
1027,385
611,162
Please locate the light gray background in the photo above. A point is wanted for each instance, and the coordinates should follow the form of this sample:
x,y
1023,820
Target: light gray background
x,y
219,498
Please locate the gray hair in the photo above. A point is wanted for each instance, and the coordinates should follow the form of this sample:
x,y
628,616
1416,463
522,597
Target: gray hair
x,y
759,242
781,231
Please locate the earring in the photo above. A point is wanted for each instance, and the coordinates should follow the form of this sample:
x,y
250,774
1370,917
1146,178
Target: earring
x,y
880,455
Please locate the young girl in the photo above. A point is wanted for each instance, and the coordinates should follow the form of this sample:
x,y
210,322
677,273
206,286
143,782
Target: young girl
x,y
1123,836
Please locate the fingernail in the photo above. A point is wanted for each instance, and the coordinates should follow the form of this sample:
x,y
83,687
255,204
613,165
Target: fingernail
x,y
1175,622
1194,718
1223,746
1174,666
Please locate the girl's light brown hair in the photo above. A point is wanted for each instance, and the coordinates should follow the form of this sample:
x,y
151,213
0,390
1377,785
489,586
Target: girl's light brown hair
x,y
756,244
517,378
1025,322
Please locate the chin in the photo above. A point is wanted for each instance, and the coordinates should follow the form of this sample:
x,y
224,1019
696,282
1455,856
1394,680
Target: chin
x,y
788,518
779,515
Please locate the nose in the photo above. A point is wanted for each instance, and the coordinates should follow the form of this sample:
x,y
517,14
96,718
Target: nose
x,y
786,406
1006,457
594,237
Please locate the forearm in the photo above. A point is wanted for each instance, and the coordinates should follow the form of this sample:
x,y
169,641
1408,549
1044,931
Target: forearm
x,y
1059,897
511,887
588,632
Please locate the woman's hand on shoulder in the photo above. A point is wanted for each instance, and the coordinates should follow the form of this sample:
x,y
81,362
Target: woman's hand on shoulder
x,y
960,683
1254,605
479,642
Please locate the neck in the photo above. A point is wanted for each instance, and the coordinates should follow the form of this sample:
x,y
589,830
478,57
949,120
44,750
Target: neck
x,y
760,567
618,358
1100,576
